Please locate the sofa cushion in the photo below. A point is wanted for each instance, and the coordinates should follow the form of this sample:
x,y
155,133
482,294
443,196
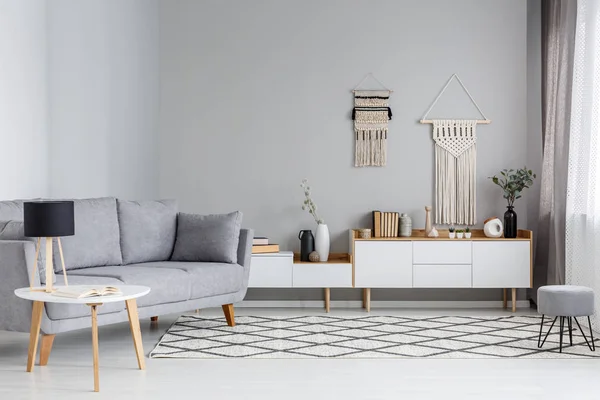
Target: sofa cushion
x,y
147,230
168,285
14,230
206,279
11,210
65,311
96,239
207,238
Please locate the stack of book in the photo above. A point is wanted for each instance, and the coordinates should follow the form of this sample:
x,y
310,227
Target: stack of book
x,y
260,245
385,224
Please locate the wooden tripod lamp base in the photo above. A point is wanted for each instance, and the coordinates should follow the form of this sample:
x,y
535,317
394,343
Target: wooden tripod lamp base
x,y
49,288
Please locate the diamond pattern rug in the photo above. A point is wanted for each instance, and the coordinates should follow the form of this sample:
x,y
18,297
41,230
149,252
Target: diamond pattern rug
x,y
192,336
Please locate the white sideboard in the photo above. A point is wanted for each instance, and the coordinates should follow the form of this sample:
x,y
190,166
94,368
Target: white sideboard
x,y
410,262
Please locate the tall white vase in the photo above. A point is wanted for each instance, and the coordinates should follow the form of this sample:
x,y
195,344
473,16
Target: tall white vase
x,y
322,242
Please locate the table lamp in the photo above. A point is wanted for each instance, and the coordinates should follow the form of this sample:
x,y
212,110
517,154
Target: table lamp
x,y
49,219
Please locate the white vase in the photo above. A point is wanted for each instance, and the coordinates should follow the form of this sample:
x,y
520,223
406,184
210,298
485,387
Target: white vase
x,y
459,235
468,235
322,242
451,235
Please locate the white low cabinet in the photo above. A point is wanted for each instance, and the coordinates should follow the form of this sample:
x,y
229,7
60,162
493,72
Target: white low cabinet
x,y
422,262
383,264
272,270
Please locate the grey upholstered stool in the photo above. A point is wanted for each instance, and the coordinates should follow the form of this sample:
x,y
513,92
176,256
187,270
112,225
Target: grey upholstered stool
x,y
567,302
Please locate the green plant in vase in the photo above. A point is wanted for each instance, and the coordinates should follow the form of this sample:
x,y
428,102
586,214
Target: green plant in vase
x,y
468,232
513,182
460,233
451,232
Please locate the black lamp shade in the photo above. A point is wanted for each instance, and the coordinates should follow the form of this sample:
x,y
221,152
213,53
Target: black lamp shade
x,y
49,218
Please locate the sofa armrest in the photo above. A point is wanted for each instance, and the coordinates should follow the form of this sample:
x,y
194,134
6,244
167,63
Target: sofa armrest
x,y
17,259
244,253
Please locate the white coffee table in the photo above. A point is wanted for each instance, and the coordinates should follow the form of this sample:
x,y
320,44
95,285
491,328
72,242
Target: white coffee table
x,y
39,297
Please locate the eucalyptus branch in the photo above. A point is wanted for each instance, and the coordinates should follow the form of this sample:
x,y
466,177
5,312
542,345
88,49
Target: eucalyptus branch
x,y
309,204
513,183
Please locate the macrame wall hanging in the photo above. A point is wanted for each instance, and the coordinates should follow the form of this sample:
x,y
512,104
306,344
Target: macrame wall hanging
x,y
455,165
371,114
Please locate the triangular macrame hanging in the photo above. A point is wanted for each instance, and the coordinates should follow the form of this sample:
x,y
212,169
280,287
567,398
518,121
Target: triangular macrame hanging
x,y
455,165
371,114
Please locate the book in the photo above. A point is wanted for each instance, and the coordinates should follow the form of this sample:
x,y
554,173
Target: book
x,y
82,292
260,240
265,248
376,224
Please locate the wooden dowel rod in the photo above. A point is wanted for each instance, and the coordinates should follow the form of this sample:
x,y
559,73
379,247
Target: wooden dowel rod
x,y
479,121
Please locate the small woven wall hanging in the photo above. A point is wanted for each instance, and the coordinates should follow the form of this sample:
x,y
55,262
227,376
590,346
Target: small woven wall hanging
x,y
371,115
455,165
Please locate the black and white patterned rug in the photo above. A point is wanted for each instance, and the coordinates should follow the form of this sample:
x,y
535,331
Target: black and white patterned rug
x,y
193,336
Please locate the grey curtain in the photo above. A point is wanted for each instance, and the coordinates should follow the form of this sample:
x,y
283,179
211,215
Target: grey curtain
x,y
558,42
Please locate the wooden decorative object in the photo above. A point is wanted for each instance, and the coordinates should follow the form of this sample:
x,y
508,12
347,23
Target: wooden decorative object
x,y
314,257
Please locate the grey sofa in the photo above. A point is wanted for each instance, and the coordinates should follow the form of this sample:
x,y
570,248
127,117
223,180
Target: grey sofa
x,y
118,242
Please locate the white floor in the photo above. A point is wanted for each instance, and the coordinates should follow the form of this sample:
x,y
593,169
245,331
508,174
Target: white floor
x,y
69,371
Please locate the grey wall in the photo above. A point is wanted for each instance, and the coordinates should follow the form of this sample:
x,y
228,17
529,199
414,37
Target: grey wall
x,y
256,96
103,98
23,99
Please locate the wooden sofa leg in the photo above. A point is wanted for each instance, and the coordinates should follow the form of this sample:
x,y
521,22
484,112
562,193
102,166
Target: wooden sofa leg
x,y
154,319
228,311
46,348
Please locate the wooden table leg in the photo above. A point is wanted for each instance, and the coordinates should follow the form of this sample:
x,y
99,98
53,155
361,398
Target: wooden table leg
x,y
134,324
327,299
368,299
34,333
95,346
514,300
504,299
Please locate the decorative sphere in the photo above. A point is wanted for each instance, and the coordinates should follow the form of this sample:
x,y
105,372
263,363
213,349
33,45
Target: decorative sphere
x,y
314,257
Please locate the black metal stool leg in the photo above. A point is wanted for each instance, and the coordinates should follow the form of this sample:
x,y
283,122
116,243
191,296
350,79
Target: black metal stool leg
x,y
591,334
562,327
541,326
547,333
571,331
591,346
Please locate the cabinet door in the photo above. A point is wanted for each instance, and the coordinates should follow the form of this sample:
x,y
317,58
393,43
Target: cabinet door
x,y
268,271
384,264
501,264
322,275
443,252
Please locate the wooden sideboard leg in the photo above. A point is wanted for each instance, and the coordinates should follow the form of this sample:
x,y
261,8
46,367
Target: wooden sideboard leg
x,y
504,299
368,299
154,319
364,298
514,300
46,348
327,299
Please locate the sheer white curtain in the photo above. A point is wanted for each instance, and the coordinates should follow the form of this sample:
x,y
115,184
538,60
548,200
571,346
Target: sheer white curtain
x,y
583,191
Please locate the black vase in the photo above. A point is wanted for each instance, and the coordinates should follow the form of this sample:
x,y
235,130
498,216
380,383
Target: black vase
x,y
307,244
510,223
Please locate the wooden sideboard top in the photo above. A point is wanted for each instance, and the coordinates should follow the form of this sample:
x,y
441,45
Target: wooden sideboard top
x,y
476,235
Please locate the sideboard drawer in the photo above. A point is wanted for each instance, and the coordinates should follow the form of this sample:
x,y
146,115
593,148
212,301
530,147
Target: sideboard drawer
x,y
271,271
325,275
455,251
442,276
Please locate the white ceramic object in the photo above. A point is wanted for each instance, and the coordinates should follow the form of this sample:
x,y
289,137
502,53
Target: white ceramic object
x,y
468,235
451,235
459,235
433,233
492,228
322,242
405,225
